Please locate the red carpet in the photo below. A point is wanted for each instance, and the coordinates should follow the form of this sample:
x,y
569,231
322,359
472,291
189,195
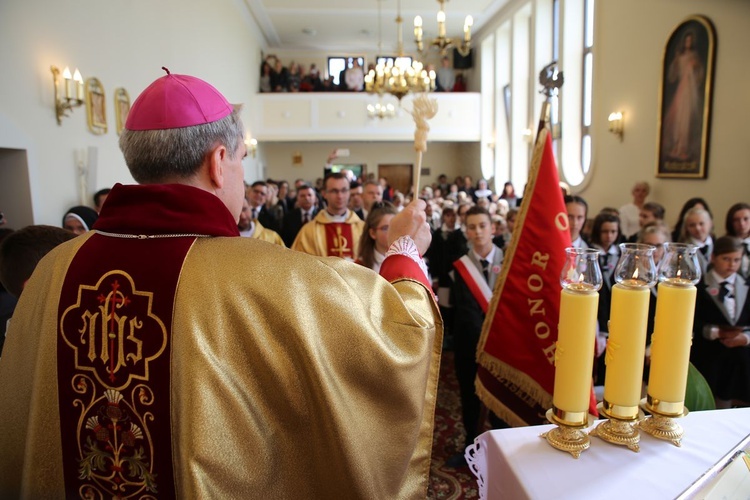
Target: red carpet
x,y
447,482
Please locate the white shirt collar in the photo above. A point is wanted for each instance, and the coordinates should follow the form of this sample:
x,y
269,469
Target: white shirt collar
x,y
336,218
248,233
490,256
729,279
709,241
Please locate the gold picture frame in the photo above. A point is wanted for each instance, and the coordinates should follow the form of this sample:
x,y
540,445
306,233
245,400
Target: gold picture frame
x,y
122,108
96,108
685,100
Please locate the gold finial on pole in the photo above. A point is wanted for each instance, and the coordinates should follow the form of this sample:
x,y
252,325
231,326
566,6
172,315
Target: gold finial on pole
x,y
423,109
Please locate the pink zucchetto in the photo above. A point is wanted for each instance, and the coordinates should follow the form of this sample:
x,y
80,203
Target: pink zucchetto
x,y
176,101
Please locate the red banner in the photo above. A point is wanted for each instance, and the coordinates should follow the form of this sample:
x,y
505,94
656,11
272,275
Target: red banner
x,y
516,372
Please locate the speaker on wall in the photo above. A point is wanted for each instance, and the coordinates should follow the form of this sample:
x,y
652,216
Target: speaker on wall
x,y
462,62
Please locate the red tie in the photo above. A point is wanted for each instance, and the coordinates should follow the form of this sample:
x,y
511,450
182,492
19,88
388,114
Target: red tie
x,y
305,217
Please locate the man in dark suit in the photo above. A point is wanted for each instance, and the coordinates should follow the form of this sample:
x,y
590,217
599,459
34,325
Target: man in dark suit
x,y
304,212
257,194
355,199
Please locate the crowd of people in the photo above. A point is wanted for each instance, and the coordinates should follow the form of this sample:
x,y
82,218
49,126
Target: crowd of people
x,y
303,359
276,77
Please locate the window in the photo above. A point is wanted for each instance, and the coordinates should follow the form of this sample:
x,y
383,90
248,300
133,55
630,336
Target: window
x,y
588,63
576,47
522,43
337,64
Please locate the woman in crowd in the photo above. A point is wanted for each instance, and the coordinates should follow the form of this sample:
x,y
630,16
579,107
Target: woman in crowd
x,y
79,219
509,195
482,191
373,244
265,77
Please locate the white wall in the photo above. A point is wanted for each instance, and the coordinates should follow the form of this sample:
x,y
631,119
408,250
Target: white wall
x,y
630,40
123,43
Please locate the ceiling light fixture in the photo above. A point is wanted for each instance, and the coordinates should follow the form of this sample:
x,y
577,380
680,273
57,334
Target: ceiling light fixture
x,y
396,80
442,42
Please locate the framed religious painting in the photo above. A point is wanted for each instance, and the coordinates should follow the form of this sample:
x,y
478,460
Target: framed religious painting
x,y
122,107
685,100
96,107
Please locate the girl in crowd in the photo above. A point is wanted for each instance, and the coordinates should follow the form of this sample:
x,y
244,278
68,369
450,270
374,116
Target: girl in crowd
x,y
373,244
697,229
604,237
738,225
509,195
692,202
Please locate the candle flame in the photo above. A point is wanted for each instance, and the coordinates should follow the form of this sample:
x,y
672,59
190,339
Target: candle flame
x,y
635,274
580,278
679,272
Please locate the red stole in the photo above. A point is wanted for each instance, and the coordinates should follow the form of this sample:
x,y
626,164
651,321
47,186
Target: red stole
x,y
339,240
475,281
113,358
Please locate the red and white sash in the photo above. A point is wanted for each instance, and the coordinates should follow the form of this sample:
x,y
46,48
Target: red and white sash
x,y
474,279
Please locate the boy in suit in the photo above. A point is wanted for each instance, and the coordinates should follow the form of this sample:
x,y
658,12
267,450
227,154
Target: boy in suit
x,y
721,331
475,276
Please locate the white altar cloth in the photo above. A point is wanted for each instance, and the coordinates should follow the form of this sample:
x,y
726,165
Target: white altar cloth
x,y
517,463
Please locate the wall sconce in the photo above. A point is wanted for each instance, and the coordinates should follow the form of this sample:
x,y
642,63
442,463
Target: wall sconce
x,y
616,124
251,145
71,96
528,135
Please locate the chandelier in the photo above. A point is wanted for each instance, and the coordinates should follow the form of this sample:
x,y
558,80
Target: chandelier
x,y
380,110
442,42
398,79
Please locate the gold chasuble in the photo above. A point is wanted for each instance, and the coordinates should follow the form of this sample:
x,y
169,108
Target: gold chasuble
x,y
326,238
141,363
265,234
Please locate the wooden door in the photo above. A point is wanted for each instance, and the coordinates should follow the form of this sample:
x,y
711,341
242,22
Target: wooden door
x,y
399,176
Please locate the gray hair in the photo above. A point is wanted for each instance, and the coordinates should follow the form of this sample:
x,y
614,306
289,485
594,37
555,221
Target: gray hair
x,y
153,156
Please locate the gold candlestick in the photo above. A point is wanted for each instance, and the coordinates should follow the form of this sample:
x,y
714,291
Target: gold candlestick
x,y
568,436
620,428
660,423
